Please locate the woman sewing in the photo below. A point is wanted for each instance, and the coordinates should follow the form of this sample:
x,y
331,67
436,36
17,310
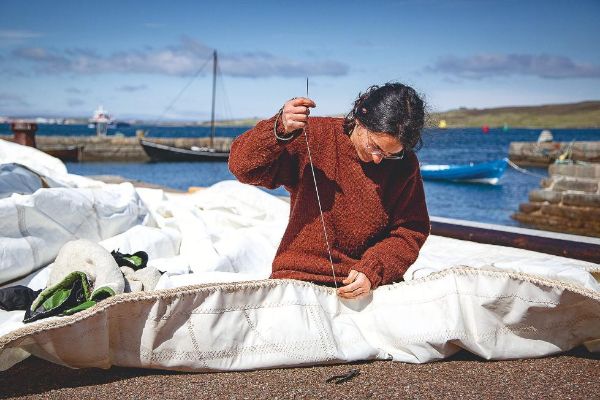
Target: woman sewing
x,y
369,220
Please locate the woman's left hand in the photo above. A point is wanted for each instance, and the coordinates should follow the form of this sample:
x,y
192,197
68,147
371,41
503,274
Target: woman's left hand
x,y
357,285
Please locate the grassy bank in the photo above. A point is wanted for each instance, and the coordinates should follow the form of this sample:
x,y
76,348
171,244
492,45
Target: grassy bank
x,y
576,115
233,122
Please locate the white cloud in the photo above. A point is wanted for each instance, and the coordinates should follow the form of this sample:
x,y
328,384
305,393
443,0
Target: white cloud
x,y
489,65
183,59
75,90
14,34
11,100
131,88
75,102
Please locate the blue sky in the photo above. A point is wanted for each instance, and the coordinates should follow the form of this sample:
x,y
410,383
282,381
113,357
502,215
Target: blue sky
x,y
135,57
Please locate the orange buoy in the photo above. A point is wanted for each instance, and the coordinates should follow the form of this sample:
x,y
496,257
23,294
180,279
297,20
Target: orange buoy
x,y
485,129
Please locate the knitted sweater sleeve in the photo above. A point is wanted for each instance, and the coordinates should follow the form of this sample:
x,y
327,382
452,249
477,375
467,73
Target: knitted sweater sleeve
x,y
387,260
258,158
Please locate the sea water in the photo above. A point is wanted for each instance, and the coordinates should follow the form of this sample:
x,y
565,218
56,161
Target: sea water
x,y
474,202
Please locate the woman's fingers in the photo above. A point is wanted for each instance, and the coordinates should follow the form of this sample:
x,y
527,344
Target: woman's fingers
x,y
355,294
360,291
297,117
357,285
297,110
351,277
292,122
295,113
301,101
291,126
300,105
357,281
351,287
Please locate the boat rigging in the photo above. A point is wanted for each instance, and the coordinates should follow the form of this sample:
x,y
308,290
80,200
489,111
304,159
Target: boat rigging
x,y
160,152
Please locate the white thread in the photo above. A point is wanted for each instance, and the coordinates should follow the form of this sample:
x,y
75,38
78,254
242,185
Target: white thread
x,y
318,197
320,208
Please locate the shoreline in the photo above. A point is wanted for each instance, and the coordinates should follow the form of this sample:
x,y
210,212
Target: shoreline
x,y
114,148
431,126
119,148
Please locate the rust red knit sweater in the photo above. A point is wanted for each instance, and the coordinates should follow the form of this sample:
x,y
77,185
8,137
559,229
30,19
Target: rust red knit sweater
x,y
375,214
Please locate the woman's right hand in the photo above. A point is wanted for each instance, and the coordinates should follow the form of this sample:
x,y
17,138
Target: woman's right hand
x,y
295,113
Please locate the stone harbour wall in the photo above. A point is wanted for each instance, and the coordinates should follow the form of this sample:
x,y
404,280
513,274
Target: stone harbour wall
x,y
535,154
568,201
118,148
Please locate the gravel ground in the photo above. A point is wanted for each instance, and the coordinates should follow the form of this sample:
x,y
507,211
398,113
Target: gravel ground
x,y
573,375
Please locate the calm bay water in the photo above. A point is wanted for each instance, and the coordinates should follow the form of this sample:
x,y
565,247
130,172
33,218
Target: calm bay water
x,y
155,131
475,202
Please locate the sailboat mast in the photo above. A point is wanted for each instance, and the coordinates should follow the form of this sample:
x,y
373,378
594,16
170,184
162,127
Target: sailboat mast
x,y
214,88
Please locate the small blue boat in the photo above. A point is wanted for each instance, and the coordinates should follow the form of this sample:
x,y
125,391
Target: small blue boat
x,y
487,172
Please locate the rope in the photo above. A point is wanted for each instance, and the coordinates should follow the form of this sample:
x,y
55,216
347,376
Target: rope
x,y
180,93
318,197
523,170
227,110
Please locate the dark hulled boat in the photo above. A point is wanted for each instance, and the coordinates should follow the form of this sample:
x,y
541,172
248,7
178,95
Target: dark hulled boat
x,y
65,153
160,152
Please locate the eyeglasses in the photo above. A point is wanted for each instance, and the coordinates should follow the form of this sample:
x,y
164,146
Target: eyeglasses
x,y
372,148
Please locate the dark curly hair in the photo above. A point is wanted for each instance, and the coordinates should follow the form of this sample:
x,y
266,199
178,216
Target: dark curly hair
x,y
393,108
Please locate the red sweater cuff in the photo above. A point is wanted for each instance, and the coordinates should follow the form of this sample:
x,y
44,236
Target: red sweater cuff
x,y
372,269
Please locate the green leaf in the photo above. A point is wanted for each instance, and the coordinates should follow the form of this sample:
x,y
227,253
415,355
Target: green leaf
x,y
102,293
80,307
136,260
57,298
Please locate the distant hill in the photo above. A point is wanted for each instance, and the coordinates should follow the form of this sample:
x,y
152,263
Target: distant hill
x,y
585,114
575,115
233,122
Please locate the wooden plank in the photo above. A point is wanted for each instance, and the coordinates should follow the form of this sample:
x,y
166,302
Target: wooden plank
x,y
560,244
